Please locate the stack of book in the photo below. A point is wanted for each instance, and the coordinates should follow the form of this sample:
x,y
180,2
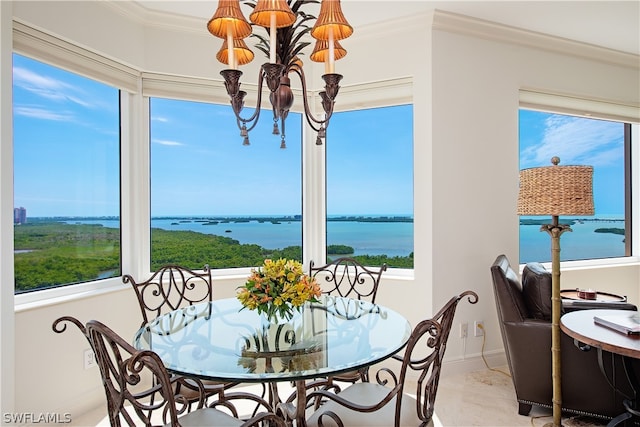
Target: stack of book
x,y
624,322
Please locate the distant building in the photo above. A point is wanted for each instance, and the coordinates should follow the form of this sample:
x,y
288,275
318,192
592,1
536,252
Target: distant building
x,y
19,215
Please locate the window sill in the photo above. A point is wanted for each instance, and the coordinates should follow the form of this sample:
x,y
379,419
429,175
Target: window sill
x,y
48,297
593,263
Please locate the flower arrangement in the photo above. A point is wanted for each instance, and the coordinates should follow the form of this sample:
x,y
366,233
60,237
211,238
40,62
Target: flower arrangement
x,y
277,288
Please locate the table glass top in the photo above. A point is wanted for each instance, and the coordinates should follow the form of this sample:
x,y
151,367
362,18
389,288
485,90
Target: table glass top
x,y
222,341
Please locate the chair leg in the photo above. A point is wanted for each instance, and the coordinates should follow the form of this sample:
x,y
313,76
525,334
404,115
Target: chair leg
x,y
524,408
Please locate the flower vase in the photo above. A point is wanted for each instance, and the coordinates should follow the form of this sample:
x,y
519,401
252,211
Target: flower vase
x,y
276,318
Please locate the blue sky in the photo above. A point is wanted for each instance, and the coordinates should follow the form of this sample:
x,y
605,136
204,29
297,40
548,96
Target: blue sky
x,y
66,154
578,141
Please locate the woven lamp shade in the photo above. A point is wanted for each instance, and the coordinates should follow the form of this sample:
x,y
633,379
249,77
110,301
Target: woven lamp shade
x,y
261,14
243,54
228,16
331,16
556,190
321,51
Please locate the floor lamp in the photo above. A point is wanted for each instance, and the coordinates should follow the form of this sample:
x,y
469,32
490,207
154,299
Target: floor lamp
x,y
556,190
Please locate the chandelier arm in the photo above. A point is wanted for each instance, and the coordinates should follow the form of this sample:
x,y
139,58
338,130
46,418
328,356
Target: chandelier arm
x,y
310,118
256,113
237,106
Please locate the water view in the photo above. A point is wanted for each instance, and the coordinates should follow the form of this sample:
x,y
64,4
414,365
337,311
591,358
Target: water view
x,y
391,236
590,238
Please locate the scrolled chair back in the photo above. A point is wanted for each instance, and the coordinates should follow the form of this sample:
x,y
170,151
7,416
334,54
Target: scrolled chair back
x,y
434,334
170,287
140,390
383,402
346,277
136,383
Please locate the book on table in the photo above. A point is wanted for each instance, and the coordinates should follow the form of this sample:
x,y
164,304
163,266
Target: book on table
x,y
626,323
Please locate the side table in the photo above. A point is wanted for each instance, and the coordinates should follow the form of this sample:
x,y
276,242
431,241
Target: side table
x,y
571,301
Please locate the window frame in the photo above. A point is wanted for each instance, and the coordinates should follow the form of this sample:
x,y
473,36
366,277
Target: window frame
x,y
326,178
40,46
135,88
538,100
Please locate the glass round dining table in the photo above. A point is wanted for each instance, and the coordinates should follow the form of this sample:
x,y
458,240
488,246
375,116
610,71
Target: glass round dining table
x,y
223,341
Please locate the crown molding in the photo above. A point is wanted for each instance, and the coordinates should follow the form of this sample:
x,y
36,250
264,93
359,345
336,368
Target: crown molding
x,y
465,25
439,20
139,14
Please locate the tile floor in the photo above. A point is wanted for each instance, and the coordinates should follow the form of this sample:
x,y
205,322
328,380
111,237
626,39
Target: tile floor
x,y
487,398
481,398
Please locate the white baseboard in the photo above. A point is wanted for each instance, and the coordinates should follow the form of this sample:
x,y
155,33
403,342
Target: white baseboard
x,y
474,362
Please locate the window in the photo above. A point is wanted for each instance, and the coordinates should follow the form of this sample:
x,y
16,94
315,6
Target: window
x,y
215,201
603,144
370,186
66,177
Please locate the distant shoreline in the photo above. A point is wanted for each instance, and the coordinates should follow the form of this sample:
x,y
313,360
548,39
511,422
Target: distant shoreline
x,y
544,221
235,219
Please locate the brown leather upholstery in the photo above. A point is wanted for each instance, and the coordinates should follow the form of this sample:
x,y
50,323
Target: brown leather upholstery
x,y
536,287
527,343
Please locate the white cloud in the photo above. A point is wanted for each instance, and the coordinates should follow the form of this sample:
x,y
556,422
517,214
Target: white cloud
x,y
167,143
49,88
44,114
577,141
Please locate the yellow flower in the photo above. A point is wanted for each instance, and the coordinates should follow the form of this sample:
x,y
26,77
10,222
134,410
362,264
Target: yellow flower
x,y
278,287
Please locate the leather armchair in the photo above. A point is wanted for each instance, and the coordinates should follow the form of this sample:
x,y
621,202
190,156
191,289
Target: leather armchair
x,y
524,312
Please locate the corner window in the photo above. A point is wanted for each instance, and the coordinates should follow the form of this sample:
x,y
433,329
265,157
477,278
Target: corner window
x,y
215,201
603,144
370,186
66,177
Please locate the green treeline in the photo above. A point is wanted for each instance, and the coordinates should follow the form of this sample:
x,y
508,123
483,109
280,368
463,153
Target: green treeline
x,y
619,231
51,254
56,253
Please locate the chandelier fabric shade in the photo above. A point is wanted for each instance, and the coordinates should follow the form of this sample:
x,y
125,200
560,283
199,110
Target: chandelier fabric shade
x,y
331,22
228,19
286,25
243,55
261,15
556,190
321,51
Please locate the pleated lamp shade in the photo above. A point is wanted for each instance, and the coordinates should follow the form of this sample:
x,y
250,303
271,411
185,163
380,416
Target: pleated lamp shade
x,y
243,55
261,14
228,16
331,17
321,51
556,190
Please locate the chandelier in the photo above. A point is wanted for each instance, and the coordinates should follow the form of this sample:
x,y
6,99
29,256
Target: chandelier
x,y
286,25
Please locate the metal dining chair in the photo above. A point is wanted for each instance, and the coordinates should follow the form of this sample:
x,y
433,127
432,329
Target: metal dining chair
x,y
169,288
139,389
348,278
385,403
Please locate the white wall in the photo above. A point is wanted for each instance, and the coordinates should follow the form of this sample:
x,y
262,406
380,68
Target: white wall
x,y
475,141
7,377
465,175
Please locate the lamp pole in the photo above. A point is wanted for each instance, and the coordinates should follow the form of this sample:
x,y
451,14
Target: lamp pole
x,y
556,190
555,230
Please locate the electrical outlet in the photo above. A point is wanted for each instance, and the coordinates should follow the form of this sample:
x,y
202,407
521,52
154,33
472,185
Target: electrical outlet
x,y
478,328
464,328
89,359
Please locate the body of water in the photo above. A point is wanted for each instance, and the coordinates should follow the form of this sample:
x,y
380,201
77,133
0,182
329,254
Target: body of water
x,y
396,238
366,238
580,243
